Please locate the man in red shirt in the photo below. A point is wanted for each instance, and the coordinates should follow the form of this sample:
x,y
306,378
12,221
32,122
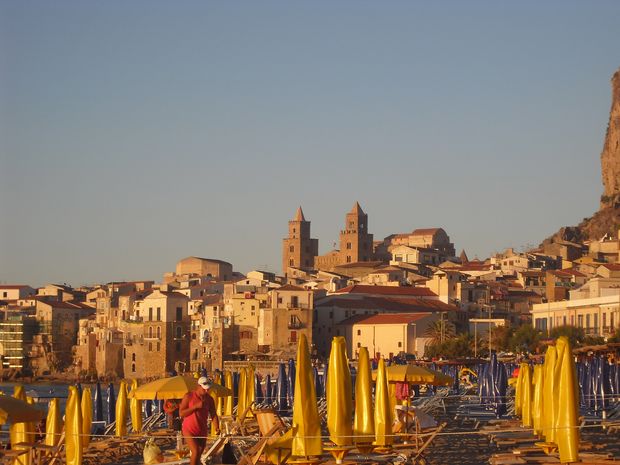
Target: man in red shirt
x,y
195,409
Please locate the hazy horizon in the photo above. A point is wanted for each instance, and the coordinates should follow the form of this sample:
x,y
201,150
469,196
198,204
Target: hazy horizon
x,y
134,134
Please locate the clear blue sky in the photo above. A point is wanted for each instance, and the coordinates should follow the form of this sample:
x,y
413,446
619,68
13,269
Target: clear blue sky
x,y
133,134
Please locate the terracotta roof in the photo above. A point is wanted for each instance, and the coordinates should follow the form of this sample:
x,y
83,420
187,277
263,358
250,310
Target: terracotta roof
x,y
371,264
386,304
387,290
13,286
384,319
221,262
612,266
58,304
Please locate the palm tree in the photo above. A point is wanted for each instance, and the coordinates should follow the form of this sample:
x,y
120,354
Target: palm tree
x,y
440,330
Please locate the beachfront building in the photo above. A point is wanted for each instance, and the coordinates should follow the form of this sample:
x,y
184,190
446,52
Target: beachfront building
x,y
387,334
598,316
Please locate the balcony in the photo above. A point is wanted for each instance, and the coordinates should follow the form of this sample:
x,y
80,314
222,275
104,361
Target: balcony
x,y
295,325
297,305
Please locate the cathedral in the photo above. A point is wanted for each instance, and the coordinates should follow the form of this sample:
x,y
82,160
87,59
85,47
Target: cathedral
x,y
300,251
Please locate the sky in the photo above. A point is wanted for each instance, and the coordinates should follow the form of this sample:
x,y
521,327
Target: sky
x,y
133,134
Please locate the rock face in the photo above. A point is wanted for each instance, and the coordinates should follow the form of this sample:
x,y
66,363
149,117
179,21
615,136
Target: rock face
x,y
607,219
610,157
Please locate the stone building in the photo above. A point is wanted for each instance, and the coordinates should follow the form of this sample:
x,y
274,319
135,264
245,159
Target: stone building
x,y
218,270
356,243
299,249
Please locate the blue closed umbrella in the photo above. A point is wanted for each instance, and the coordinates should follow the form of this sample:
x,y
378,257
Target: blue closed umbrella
x,y
282,389
148,408
111,404
268,395
317,384
98,403
258,391
291,381
235,376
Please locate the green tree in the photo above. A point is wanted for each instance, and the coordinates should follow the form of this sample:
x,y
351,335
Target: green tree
x,y
574,334
455,347
615,337
525,339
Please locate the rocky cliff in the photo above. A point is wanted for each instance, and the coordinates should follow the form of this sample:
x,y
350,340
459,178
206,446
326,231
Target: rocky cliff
x,y
607,219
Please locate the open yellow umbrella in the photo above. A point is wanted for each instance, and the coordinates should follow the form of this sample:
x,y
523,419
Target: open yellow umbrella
x,y
121,410
364,422
383,412
135,406
219,400
174,387
73,428
567,421
22,431
228,402
339,394
526,395
13,410
306,423
87,415
537,402
53,424
549,395
414,374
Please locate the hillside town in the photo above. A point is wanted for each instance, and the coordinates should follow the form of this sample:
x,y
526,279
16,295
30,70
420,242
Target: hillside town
x,y
407,295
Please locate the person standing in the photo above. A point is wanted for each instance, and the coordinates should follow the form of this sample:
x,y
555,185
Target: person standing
x,y
195,409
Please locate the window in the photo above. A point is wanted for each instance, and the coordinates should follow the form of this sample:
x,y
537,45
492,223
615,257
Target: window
x,y
564,320
596,321
150,313
348,258
124,352
580,321
400,344
150,332
177,347
604,320
359,332
158,333
178,332
5,294
293,336
158,313
588,321
179,313
158,347
348,246
291,262
291,248
150,347
133,357
359,344
133,367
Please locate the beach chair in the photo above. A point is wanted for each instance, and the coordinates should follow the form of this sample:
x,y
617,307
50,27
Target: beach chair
x,y
275,440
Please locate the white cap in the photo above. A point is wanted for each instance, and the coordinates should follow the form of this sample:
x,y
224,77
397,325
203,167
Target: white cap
x,y
204,382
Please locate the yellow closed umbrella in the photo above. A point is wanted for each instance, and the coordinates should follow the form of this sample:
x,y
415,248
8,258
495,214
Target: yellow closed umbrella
x,y
339,394
383,412
250,393
219,400
306,426
53,424
73,428
567,421
135,406
518,397
23,431
364,422
549,395
87,415
537,402
241,392
526,395
121,410
228,401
